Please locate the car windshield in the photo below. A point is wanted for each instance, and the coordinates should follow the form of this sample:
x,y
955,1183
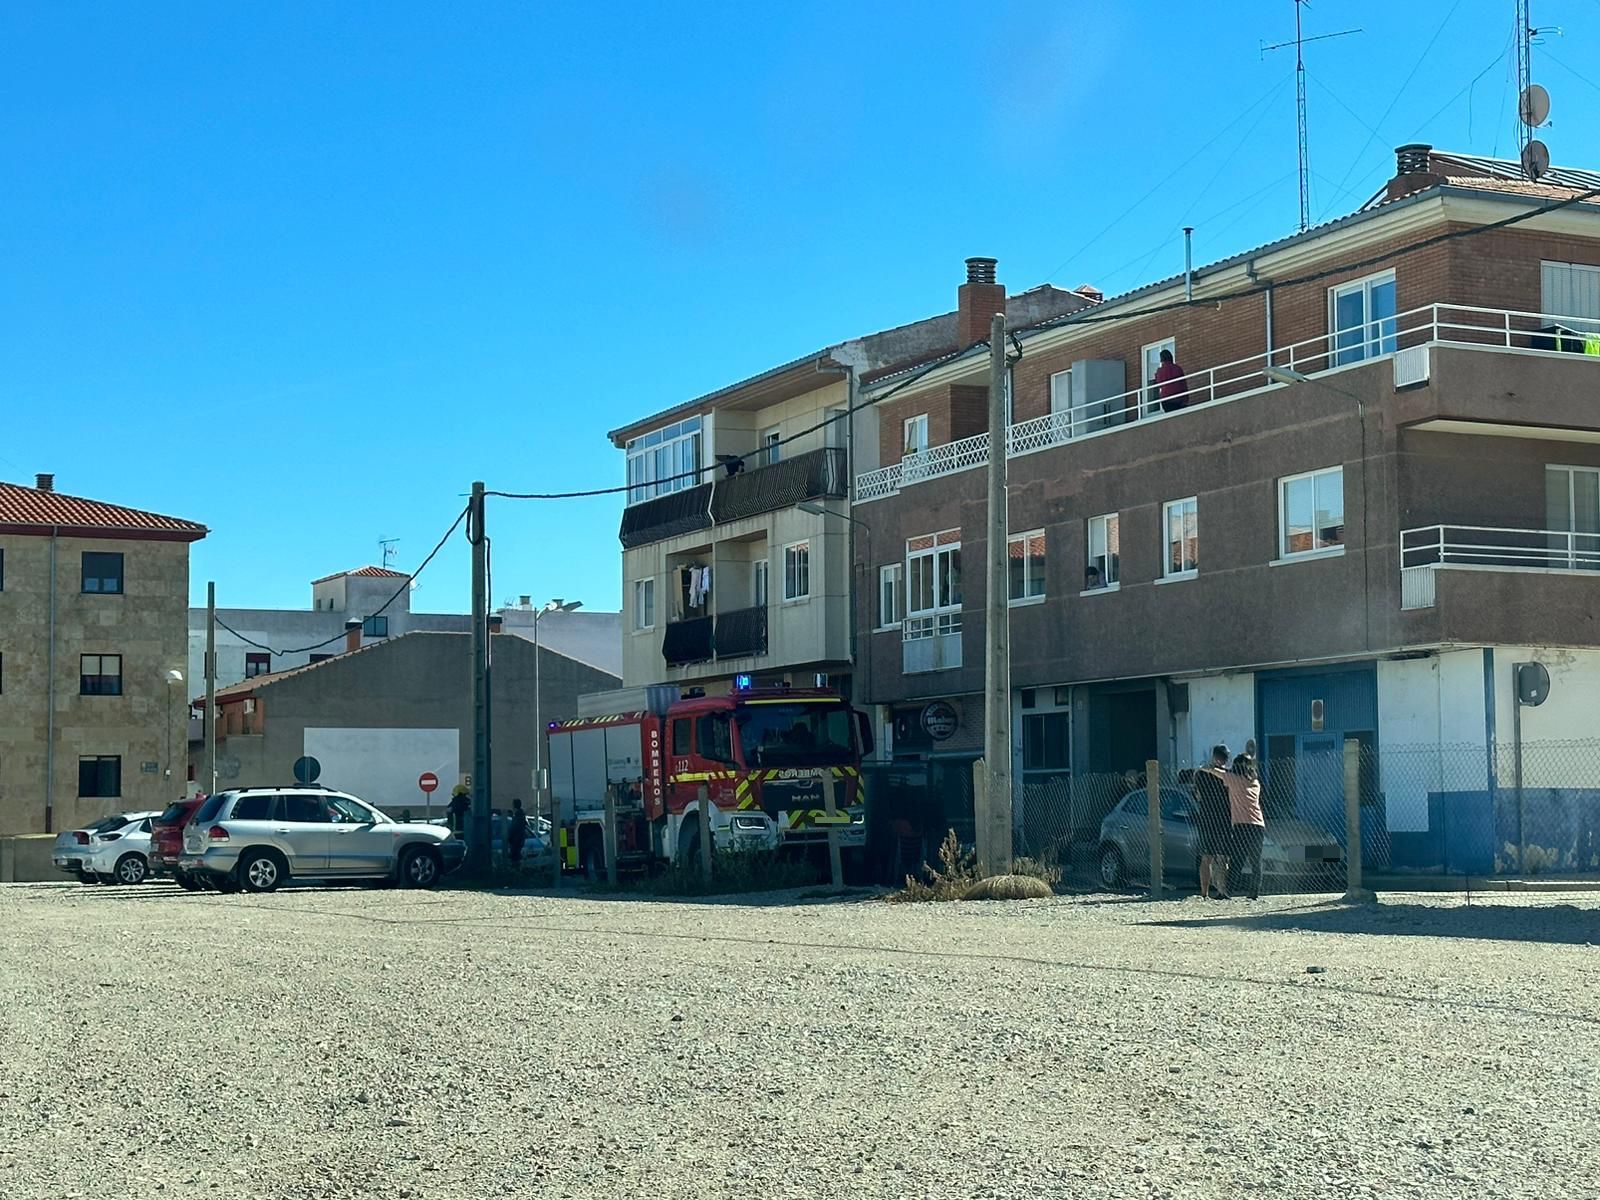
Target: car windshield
x,y
786,735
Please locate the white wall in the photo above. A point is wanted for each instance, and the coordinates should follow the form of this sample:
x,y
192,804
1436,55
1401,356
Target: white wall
x,y
382,765
1221,709
1572,713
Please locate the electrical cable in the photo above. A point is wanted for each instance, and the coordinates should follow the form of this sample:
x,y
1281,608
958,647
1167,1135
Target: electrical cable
x,y
411,578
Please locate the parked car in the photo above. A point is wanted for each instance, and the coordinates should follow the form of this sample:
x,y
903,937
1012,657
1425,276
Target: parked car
x,y
113,850
1294,852
166,842
259,838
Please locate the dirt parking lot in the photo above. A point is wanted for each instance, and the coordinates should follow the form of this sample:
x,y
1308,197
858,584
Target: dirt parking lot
x,y
356,1043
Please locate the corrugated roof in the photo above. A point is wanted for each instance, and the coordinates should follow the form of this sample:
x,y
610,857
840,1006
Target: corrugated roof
x,y
365,573
32,508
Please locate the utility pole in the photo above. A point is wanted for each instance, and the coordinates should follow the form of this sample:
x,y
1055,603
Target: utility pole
x,y
209,724
478,830
994,823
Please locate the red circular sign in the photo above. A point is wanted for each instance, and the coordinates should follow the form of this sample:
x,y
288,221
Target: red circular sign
x,y
428,781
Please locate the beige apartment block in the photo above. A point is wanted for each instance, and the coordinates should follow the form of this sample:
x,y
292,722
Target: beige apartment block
x,y
93,638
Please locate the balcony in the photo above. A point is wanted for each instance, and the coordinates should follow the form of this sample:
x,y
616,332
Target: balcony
x,y
931,643
816,475
1427,550
687,641
741,633
1404,338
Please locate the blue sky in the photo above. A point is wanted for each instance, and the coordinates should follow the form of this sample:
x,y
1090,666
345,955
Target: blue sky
x,y
303,272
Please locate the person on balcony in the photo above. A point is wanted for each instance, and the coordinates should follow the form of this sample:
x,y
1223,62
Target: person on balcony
x,y
1172,389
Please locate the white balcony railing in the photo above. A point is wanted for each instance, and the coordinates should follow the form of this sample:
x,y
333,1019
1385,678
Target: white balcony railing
x,y
1428,549
1432,325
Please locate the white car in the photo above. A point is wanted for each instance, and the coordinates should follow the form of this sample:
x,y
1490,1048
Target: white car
x,y
113,850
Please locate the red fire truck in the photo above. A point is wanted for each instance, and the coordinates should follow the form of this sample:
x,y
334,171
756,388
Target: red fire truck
x,y
762,756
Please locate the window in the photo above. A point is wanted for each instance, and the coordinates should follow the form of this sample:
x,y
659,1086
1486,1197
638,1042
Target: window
x,y
917,434
1061,391
1569,296
889,579
303,810
1149,363
1025,566
714,737
257,663
100,675
1361,318
316,658
377,627
664,461
759,586
100,777
797,571
838,428
255,807
1572,514
1104,567
102,573
1046,742
933,585
644,603
680,735
1311,512
1181,520
344,811
771,450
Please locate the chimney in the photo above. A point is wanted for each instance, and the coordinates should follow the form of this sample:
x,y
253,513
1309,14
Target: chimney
x,y
352,635
977,301
45,483
1090,293
496,622
1413,170
524,601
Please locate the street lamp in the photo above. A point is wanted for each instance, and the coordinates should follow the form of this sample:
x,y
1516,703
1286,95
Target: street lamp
x,y
172,677
1284,374
564,606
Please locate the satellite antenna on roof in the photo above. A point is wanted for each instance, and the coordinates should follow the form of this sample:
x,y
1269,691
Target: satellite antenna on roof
x,y
387,545
1301,141
1533,102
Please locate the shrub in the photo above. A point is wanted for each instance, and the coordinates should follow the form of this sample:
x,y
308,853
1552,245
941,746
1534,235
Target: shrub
x,y
951,880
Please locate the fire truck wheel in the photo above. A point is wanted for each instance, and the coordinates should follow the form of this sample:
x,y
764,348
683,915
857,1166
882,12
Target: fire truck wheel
x,y
594,860
689,843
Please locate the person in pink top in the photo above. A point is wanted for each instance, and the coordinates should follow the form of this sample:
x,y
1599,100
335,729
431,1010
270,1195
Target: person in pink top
x,y
1249,826
1172,389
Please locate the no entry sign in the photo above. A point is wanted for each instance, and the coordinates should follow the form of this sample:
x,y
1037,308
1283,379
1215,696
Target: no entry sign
x,y
428,781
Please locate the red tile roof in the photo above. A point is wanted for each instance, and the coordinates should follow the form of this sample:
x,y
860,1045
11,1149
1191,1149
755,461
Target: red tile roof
x,y
365,573
34,511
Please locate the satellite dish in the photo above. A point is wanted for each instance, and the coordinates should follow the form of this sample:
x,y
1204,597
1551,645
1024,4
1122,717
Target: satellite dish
x,y
1535,158
1533,106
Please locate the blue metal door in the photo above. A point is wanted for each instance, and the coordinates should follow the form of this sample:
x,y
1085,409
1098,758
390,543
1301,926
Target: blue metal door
x,y
1319,781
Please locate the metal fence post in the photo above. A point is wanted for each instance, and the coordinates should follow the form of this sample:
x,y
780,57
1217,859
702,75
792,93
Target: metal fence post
x,y
705,834
1152,775
1354,890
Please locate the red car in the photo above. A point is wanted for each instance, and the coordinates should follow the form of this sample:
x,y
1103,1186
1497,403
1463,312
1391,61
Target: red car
x,y
166,842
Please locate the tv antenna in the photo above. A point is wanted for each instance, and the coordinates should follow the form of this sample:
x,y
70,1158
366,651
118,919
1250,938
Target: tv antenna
x,y
387,545
1299,45
1533,102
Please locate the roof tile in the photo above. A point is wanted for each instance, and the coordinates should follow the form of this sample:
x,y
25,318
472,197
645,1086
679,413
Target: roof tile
x,y
26,507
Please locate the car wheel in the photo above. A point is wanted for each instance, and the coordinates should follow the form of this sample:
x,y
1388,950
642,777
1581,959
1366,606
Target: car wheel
x,y
1112,872
130,869
261,871
419,867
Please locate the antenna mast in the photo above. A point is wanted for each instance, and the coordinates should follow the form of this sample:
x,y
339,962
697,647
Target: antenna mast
x,y
1524,67
1302,141
387,545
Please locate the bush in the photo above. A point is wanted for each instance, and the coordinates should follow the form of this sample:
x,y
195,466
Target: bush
x,y
1045,869
951,880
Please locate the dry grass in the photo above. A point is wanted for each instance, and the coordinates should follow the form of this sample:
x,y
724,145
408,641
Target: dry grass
x,y
955,875
1010,887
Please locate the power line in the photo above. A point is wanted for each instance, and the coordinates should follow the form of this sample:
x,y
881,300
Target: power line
x,y
400,591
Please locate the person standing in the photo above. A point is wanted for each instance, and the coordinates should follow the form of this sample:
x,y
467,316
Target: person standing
x,y
1211,823
1172,389
516,832
1249,825
460,802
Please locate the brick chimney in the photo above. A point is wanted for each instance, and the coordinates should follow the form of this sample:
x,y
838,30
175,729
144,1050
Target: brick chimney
x,y
1413,170
45,483
352,635
977,301
496,622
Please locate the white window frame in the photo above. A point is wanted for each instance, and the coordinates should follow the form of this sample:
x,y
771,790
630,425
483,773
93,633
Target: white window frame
x,y
1061,391
1318,550
891,584
1147,371
771,451
761,582
796,556
944,615
1374,342
683,444
644,603
1028,595
920,424
1111,571
1167,573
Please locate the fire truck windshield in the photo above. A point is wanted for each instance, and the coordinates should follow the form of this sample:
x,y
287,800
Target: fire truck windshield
x,y
795,735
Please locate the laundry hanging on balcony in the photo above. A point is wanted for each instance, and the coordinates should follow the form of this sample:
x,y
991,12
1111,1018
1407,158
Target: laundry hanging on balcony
x,y
694,584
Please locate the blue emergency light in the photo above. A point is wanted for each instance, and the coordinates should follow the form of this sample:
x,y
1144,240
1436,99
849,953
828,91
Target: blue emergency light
x,y
741,682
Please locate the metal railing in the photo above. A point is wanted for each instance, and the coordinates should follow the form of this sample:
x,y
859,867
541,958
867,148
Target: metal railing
x,y
1458,325
1427,548
741,633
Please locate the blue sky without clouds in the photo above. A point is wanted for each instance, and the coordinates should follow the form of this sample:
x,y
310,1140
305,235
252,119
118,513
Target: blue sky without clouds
x,y
303,272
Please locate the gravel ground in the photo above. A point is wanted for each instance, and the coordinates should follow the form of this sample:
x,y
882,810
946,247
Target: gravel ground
x,y
355,1043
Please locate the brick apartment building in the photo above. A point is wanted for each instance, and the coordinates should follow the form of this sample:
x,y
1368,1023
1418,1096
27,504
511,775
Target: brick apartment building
x,y
92,630
1380,492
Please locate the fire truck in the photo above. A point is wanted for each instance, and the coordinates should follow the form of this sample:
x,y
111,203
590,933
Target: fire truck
x,y
754,763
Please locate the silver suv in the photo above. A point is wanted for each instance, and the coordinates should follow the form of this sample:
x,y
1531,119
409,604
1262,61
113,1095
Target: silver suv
x,y
257,838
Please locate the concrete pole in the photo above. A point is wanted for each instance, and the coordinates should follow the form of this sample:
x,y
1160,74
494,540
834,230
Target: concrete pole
x,y
208,726
1354,888
478,832
830,802
705,834
611,834
994,825
1158,855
